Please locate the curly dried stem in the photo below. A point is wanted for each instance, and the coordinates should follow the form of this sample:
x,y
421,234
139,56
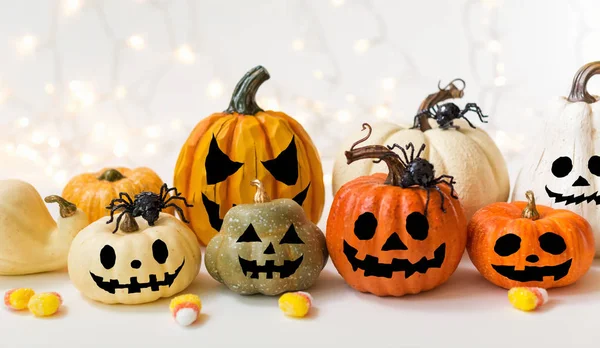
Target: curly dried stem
x,y
67,208
448,92
579,91
129,224
530,211
261,195
111,175
396,167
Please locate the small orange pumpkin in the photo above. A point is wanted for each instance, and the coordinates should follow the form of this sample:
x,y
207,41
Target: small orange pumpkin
x,y
92,192
521,244
395,235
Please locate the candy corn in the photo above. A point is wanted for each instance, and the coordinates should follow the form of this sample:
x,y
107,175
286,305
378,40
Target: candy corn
x,y
186,309
17,299
295,304
527,298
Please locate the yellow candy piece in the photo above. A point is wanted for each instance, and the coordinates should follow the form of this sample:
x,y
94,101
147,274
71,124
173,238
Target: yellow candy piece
x,y
295,304
18,299
45,304
186,299
186,309
527,298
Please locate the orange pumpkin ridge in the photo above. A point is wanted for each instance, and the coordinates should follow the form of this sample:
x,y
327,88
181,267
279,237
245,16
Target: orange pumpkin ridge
x,y
393,259
524,244
92,192
247,135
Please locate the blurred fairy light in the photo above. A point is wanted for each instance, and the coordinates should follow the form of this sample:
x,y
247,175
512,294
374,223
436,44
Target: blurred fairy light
x,y
361,46
38,137
22,122
318,74
49,88
153,132
120,148
120,92
269,103
388,83
87,159
175,124
337,3
71,6
298,45
136,42
350,98
343,116
500,81
27,45
382,111
82,92
494,46
53,142
214,89
150,148
185,54
60,177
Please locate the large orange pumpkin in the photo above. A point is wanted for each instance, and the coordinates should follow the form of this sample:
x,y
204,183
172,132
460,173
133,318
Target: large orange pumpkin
x,y
524,244
92,192
229,149
394,235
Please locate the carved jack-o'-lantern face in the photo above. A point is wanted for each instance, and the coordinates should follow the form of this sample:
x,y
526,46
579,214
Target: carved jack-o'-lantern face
x,y
134,266
562,167
229,149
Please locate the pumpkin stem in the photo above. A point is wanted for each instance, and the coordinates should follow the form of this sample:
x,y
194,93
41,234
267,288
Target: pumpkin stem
x,y
448,92
380,153
129,224
243,100
67,209
530,211
261,195
579,91
111,175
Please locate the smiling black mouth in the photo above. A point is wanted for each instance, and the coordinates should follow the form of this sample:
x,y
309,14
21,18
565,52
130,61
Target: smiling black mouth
x,y
572,199
213,209
134,287
287,269
373,268
534,273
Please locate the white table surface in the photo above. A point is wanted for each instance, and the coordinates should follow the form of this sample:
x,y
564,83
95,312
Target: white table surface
x,y
467,311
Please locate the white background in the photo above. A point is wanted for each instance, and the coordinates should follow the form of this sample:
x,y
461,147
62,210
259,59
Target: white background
x,y
87,84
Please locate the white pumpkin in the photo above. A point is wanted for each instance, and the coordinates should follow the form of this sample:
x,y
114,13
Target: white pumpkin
x,y
468,154
30,240
137,264
563,166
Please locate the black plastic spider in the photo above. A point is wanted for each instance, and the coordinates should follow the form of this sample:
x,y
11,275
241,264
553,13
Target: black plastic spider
x,y
445,115
148,205
420,173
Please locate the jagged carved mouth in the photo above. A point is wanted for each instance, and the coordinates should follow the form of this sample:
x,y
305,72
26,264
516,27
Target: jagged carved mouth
x,y
288,268
134,287
372,268
572,199
213,209
534,273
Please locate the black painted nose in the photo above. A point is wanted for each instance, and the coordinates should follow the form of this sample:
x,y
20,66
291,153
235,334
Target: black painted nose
x,y
136,264
532,258
269,250
581,182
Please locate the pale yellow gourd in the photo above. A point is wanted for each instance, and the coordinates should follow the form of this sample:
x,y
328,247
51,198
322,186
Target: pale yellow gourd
x,y
30,240
470,155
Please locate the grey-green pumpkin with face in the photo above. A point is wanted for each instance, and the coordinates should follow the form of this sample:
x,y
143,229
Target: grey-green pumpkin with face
x,y
268,247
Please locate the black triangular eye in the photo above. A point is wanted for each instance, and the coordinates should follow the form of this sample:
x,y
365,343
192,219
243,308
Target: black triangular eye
x,y
249,235
218,165
284,167
291,237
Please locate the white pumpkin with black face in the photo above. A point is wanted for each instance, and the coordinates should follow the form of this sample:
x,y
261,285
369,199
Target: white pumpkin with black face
x,y
134,266
563,166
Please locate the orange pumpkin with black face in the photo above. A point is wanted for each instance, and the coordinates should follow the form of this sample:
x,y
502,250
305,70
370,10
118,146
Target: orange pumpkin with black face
x,y
524,244
228,149
397,234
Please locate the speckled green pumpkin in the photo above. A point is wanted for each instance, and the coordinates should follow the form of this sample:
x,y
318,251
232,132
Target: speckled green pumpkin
x,y
268,247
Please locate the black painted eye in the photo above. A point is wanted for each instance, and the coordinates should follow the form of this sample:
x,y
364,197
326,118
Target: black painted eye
x,y
417,225
594,165
249,235
218,165
291,237
365,226
284,167
552,243
508,244
562,166
160,251
108,257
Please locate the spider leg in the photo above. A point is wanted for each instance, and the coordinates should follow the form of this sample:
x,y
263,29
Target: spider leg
x,y
179,198
452,125
440,180
113,209
126,195
441,197
469,122
115,200
475,108
411,146
179,210
118,221
427,201
421,150
396,146
416,122
169,190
